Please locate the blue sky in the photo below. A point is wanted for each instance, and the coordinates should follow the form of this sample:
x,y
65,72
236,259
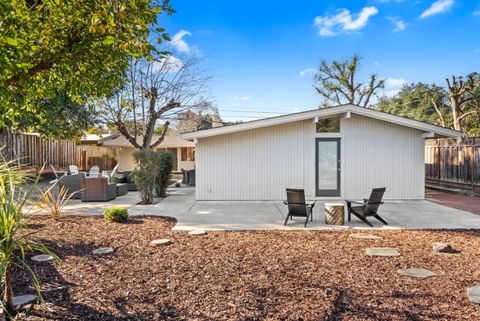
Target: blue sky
x,y
261,54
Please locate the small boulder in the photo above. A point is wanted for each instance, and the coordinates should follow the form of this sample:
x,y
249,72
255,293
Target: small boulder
x,y
24,299
365,236
473,294
382,251
416,273
102,250
160,242
42,258
439,247
197,232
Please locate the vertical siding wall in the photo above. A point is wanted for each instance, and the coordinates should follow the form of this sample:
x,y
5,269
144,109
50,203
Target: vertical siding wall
x,y
378,154
250,165
259,164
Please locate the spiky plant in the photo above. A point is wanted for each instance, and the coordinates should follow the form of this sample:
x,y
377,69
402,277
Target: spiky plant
x,y
52,203
13,237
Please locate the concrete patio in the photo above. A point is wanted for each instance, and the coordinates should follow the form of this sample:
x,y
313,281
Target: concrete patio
x,y
270,215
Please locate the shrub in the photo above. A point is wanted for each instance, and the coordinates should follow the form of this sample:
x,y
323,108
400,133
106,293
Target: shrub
x,y
164,166
13,236
117,214
52,203
144,174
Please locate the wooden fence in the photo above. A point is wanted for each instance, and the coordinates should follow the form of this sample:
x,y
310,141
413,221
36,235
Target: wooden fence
x,y
34,151
453,162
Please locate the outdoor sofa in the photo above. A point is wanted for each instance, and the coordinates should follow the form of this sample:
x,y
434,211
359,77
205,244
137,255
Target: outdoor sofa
x,y
97,189
72,184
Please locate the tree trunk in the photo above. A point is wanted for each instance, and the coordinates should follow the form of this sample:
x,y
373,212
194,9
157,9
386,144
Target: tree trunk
x,y
456,113
8,297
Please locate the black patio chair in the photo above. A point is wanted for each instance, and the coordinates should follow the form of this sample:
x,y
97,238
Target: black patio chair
x,y
297,205
369,207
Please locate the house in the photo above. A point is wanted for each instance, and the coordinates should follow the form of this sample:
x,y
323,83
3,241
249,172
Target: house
x,y
183,152
95,139
339,152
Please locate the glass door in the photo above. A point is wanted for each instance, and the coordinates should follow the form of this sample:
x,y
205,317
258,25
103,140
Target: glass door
x,y
327,163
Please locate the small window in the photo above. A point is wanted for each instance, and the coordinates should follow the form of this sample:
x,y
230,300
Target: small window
x,y
184,154
328,125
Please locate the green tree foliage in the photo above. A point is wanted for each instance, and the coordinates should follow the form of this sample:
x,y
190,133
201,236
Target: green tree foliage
x,y
420,102
456,106
81,48
59,117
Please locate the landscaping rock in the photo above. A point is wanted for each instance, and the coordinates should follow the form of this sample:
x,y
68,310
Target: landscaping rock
x,y
439,247
102,250
42,258
416,273
197,232
382,251
24,299
365,236
473,294
160,242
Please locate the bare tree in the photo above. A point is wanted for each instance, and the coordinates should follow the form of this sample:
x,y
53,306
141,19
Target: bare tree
x,y
337,85
464,96
154,92
205,115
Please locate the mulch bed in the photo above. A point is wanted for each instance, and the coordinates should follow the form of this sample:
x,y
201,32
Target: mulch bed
x,y
293,275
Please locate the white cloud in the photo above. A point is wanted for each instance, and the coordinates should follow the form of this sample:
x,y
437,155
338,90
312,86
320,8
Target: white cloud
x,y
343,21
477,12
393,86
178,42
399,24
241,98
307,71
167,64
439,6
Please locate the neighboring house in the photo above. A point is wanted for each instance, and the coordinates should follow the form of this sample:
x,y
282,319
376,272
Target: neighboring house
x,y
95,139
340,152
183,152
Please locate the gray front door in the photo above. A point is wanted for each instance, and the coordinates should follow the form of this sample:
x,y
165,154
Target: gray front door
x,y
327,166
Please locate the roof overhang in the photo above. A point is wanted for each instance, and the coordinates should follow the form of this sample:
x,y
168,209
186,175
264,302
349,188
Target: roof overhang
x,y
348,110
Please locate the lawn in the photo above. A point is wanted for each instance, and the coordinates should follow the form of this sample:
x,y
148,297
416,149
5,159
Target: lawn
x,y
301,275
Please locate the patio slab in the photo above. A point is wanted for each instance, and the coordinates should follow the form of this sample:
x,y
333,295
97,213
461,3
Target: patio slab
x,y
270,215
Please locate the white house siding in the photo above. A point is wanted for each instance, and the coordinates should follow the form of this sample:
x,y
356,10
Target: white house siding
x,y
259,164
378,154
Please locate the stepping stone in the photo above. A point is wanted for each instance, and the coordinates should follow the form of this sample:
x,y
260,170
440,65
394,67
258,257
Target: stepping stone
x,y
439,247
198,232
160,242
416,273
24,299
42,258
382,251
365,236
102,250
473,294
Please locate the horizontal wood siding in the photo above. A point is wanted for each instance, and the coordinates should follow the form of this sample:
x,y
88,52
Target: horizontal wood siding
x,y
381,154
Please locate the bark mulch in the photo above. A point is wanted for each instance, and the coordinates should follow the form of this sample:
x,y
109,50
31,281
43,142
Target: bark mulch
x,y
275,275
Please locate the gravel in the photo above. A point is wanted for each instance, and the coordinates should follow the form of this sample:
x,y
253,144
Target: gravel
x,y
274,275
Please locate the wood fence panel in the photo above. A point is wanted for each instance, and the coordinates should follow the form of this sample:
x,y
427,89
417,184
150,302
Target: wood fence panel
x,y
453,162
35,151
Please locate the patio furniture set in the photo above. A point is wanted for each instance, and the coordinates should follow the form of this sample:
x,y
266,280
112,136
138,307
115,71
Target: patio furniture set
x,y
93,186
334,212
188,177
